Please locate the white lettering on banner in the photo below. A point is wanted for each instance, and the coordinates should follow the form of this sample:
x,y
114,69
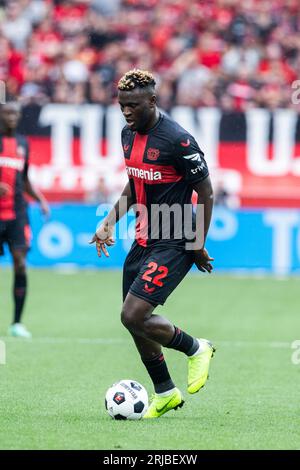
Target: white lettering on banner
x,y
43,176
91,119
111,165
206,131
61,118
68,179
209,119
114,125
15,163
55,240
282,223
89,178
258,126
203,124
224,224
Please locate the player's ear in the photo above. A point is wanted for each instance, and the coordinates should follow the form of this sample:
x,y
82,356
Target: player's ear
x,y
153,101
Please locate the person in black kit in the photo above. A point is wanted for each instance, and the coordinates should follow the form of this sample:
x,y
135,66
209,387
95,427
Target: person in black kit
x,y
14,226
164,165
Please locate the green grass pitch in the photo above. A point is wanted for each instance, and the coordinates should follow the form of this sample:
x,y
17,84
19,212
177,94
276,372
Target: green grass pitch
x,y
52,388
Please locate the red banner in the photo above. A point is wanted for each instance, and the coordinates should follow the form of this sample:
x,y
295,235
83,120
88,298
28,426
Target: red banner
x,y
254,157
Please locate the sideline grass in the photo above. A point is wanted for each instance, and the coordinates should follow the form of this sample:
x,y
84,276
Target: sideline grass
x,y
52,388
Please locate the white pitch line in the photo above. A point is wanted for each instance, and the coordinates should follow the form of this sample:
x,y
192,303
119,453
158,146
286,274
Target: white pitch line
x,y
70,340
263,344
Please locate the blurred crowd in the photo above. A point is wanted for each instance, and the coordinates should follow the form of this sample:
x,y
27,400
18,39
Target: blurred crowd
x,y
234,54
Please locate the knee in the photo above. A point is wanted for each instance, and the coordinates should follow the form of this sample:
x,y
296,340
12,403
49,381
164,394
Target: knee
x,y
135,323
129,320
19,265
135,315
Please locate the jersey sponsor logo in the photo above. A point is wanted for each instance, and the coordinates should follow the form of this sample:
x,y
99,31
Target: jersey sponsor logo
x,y
199,168
14,163
195,157
152,154
186,144
143,174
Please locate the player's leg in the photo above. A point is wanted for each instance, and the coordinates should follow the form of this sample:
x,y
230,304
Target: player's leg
x,y
167,396
149,350
160,274
19,293
2,236
19,235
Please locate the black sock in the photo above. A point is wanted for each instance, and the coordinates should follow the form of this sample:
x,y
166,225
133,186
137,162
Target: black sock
x,y
158,371
183,342
19,294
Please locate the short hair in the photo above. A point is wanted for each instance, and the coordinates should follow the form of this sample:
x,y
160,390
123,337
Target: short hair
x,y
12,101
136,78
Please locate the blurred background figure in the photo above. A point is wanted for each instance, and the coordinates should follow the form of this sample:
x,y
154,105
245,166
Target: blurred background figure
x,y
14,223
227,187
100,193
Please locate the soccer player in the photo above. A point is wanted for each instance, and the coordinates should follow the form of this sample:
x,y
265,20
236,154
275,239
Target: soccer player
x,y
14,227
164,166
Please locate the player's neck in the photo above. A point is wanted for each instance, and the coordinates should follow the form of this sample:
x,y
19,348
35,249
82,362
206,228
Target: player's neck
x,y
152,123
8,132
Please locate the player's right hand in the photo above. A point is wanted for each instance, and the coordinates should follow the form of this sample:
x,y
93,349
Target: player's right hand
x,y
4,189
203,261
102,237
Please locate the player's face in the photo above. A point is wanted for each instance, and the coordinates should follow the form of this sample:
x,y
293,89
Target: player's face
x,y
139,108
10,115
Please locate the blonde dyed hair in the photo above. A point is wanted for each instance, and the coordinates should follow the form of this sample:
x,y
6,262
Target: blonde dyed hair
x,y
136,78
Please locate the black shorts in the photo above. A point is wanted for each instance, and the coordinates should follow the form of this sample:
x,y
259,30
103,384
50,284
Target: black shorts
x,y
153,273
16,233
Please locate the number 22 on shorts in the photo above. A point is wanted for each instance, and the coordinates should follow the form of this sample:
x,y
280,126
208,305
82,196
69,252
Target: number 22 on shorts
x,y
157,279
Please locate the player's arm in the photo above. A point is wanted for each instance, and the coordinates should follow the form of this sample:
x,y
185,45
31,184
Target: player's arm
x,y
104,233
205,200
35,194
29,189
191,163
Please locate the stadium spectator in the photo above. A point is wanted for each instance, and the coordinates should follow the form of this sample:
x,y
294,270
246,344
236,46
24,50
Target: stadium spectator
x,y
249,51
100,194
16,26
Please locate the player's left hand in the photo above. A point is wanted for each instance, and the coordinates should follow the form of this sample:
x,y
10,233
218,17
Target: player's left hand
x,y
45,208
203,260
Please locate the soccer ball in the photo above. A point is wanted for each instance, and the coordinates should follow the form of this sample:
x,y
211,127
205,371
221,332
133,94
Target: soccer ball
x,y
126,399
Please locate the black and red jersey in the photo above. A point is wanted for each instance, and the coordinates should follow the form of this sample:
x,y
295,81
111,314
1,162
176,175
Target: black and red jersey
x,y
14,161
162,166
